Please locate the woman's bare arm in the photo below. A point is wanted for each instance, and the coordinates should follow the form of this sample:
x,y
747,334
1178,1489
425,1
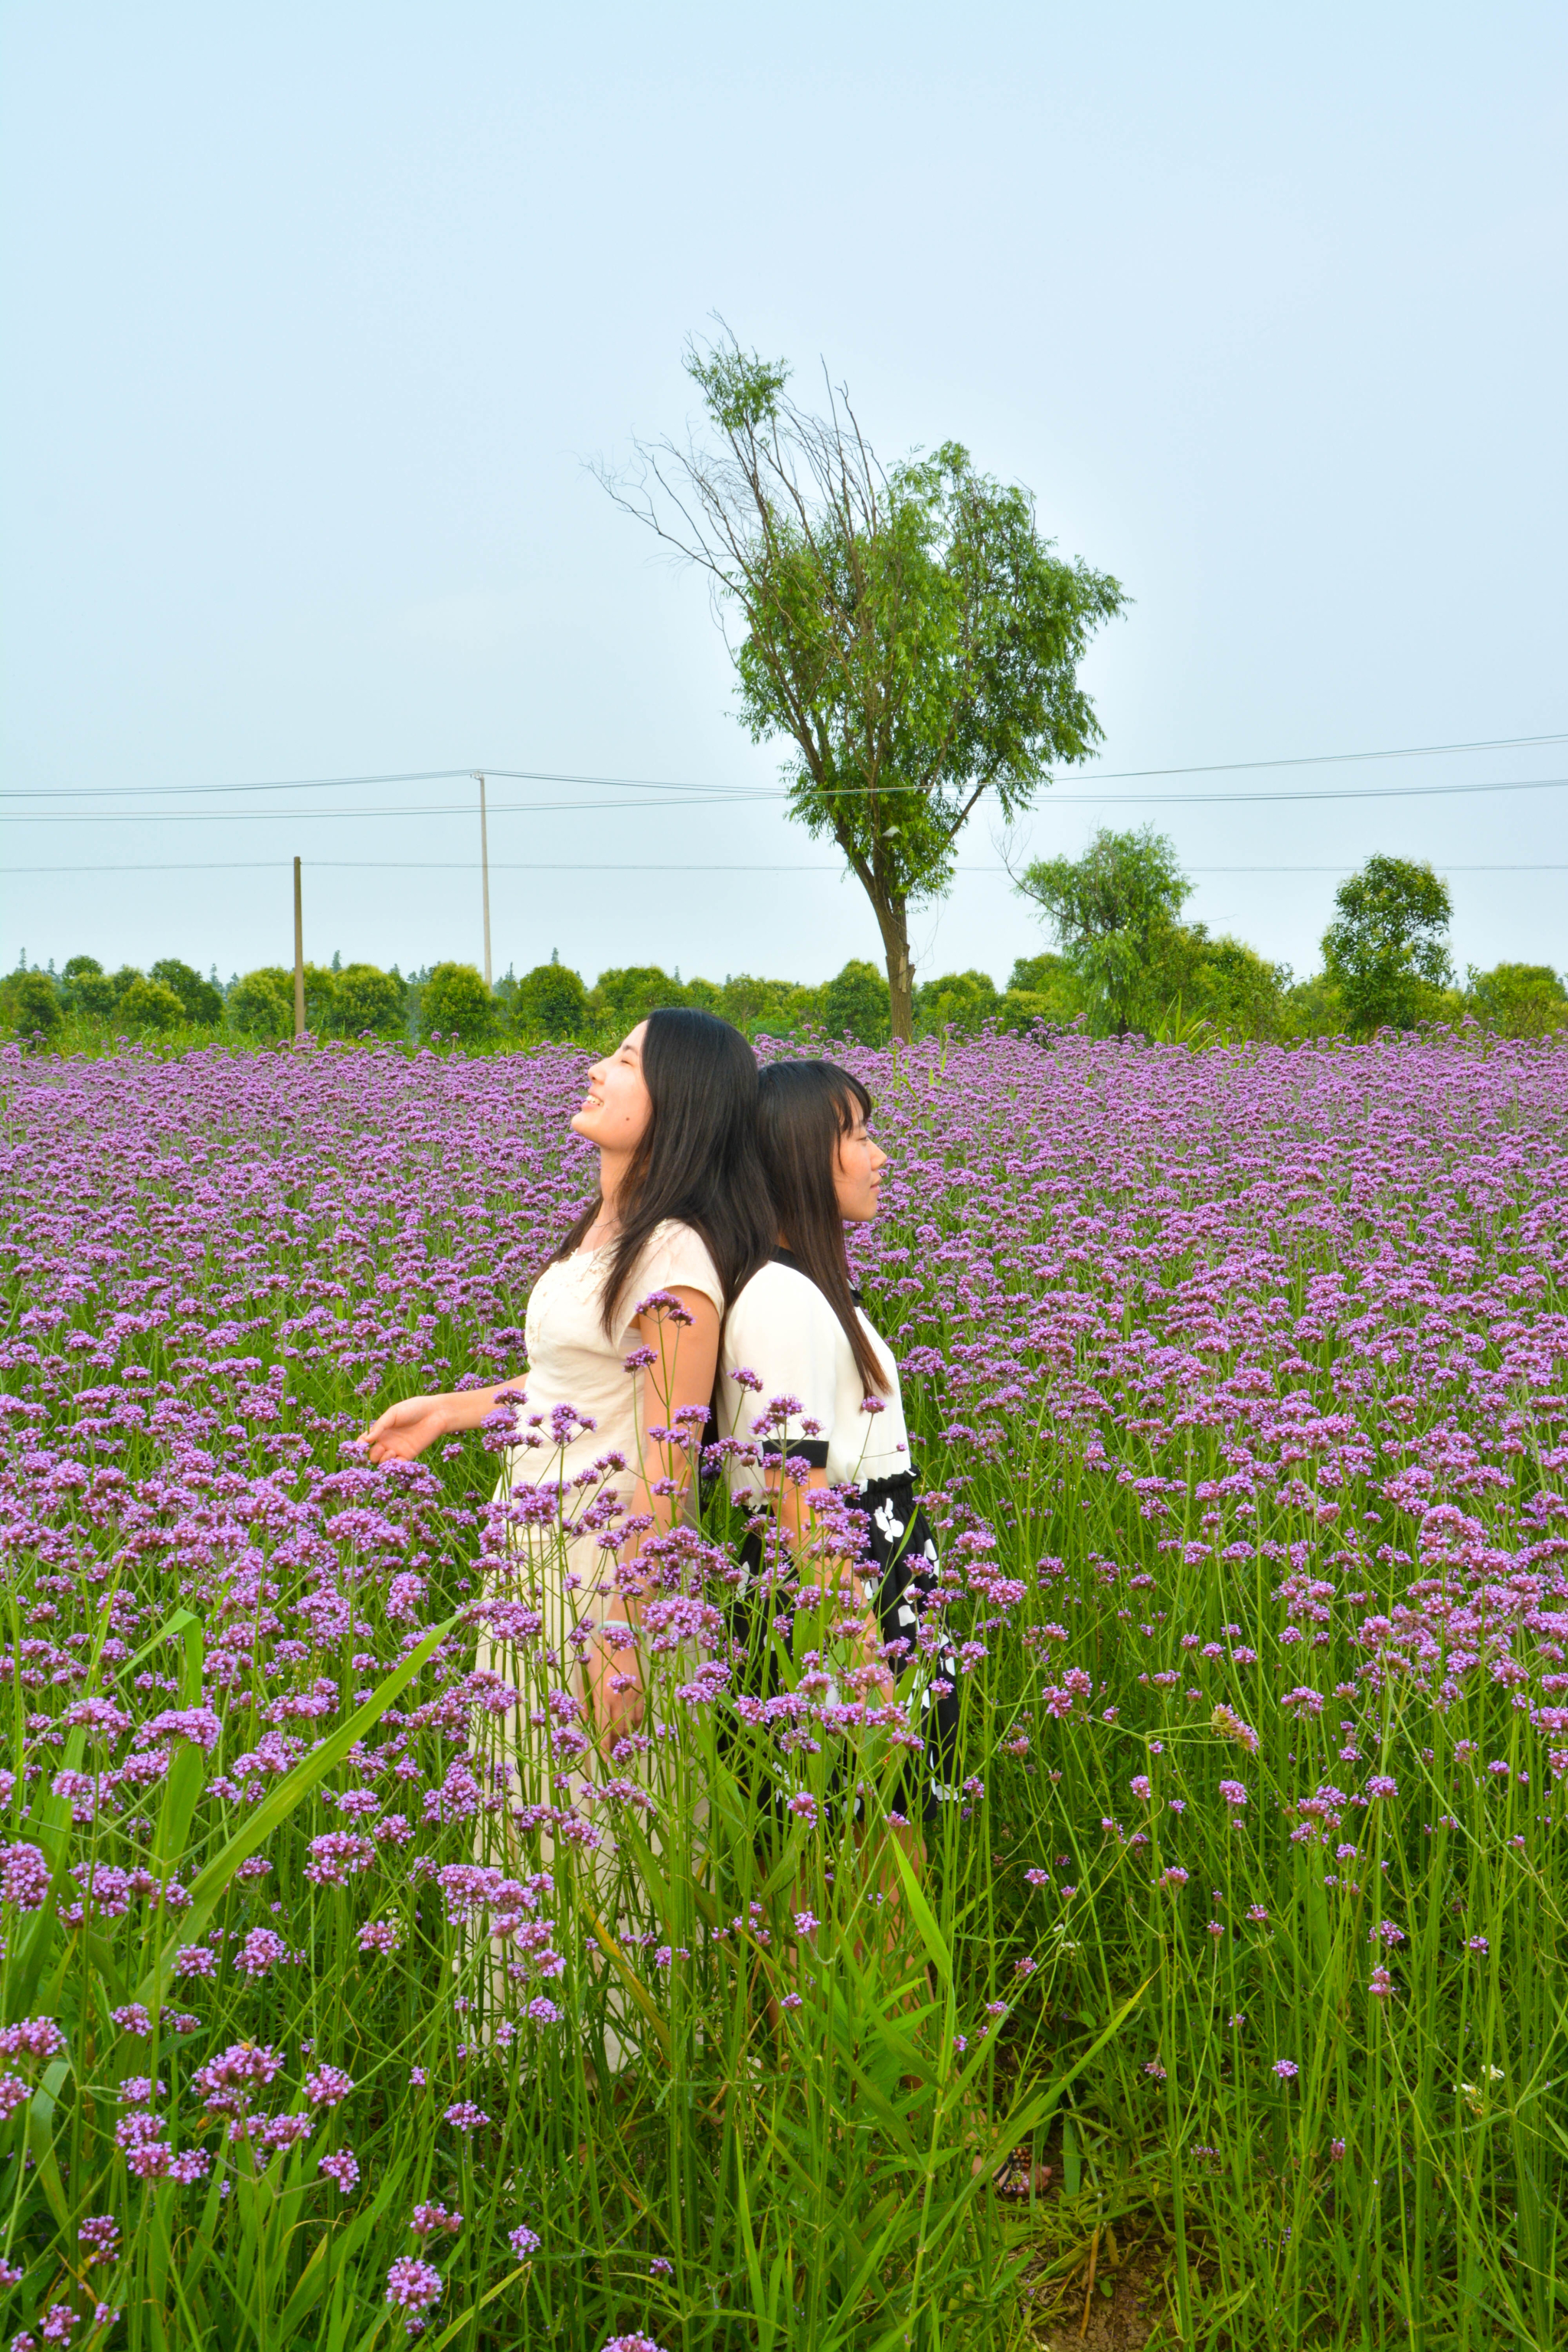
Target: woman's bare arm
x,y
404,1430
678,1380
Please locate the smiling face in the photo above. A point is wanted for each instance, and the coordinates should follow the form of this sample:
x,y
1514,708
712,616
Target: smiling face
x,y
857,1169
618,1108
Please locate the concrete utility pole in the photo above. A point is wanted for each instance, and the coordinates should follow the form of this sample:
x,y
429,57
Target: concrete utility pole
x,y
485,874
299,957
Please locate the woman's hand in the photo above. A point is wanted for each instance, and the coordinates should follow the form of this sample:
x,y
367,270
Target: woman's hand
x,y
404,1430
614,1685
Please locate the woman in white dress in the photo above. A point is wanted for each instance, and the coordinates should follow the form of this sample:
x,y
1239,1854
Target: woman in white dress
x,y
622,1332
798,1330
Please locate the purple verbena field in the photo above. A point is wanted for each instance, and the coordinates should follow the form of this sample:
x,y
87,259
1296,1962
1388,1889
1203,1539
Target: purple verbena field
x,y
1242,1384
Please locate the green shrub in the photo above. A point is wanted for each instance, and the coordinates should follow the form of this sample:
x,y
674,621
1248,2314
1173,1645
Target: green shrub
x,y
262,1004
1221,980
457,1004
31,1004
1518,999
965,1001
1052,989
550,1002
202,1003
622,998
320,998
855,1003
1315,1008
148,1009
365,997
89,988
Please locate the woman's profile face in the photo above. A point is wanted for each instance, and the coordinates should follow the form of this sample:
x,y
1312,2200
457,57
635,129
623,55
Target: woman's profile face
x,y
857,1169
617,1106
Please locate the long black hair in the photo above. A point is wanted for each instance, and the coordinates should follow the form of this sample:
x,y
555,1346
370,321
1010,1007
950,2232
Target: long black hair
x,y
698,1159
808,1109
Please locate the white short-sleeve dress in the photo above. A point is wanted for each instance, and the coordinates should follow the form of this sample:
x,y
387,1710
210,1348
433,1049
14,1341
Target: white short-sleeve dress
x,y
782,1331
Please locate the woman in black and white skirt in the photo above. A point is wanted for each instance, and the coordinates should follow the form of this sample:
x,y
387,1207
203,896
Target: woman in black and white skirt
x,y
797,1331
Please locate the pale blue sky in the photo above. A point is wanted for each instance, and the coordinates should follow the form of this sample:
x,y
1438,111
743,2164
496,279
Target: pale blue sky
x,y
316,314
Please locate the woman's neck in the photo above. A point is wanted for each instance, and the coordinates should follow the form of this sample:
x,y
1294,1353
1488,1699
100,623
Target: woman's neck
x,y
612,1176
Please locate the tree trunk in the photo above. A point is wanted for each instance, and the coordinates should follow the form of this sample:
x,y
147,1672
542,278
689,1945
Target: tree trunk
x,y
894,926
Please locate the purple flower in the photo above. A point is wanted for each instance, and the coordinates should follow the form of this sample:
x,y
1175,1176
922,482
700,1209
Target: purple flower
x,y
523,2242
1234,1792
262,1949
342,2167
427,2219
100,2234
1287,2069
464,2117
413,2288
24,1877
328,2086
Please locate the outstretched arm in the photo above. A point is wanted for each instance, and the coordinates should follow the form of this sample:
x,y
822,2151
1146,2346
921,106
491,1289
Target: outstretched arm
x,y
403,1431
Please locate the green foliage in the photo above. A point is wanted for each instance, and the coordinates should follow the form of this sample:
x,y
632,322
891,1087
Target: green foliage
x,y
770,1008
89,988
1114,913
93,993
1043,988
31,1005
624,997
202,1001
1314,1008
856,1005
262,1004
147,1008
910,632
457,1004
550,1002
365,997
1220,981
320,1000
1388,949
1518,999
965,1001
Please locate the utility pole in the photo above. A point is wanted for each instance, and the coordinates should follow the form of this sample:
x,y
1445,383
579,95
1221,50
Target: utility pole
x,y
485,874
299,957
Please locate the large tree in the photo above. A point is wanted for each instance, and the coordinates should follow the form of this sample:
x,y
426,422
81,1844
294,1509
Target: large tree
x,y
907,628
1386,950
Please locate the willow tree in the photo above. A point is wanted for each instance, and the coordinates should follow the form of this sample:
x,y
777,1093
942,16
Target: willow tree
x,y
907,628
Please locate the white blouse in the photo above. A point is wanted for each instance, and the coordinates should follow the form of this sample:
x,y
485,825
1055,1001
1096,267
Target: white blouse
x,y
783,1329
573,1360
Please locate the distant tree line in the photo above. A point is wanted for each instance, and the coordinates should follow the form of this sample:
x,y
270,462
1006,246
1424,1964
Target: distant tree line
x,y
1124,964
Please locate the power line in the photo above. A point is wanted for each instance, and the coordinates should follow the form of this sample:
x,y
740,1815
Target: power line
x,y
636,866
1057,800
672,785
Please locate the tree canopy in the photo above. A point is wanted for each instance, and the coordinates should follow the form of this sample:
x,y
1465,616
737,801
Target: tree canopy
x,y
908,629
1387,951
1113,910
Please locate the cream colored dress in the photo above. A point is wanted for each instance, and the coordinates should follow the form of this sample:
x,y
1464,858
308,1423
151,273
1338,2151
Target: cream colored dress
x,y
560,1569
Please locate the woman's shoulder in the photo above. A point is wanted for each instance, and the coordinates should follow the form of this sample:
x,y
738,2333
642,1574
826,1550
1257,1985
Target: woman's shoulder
x,y
783,1297
679,1255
